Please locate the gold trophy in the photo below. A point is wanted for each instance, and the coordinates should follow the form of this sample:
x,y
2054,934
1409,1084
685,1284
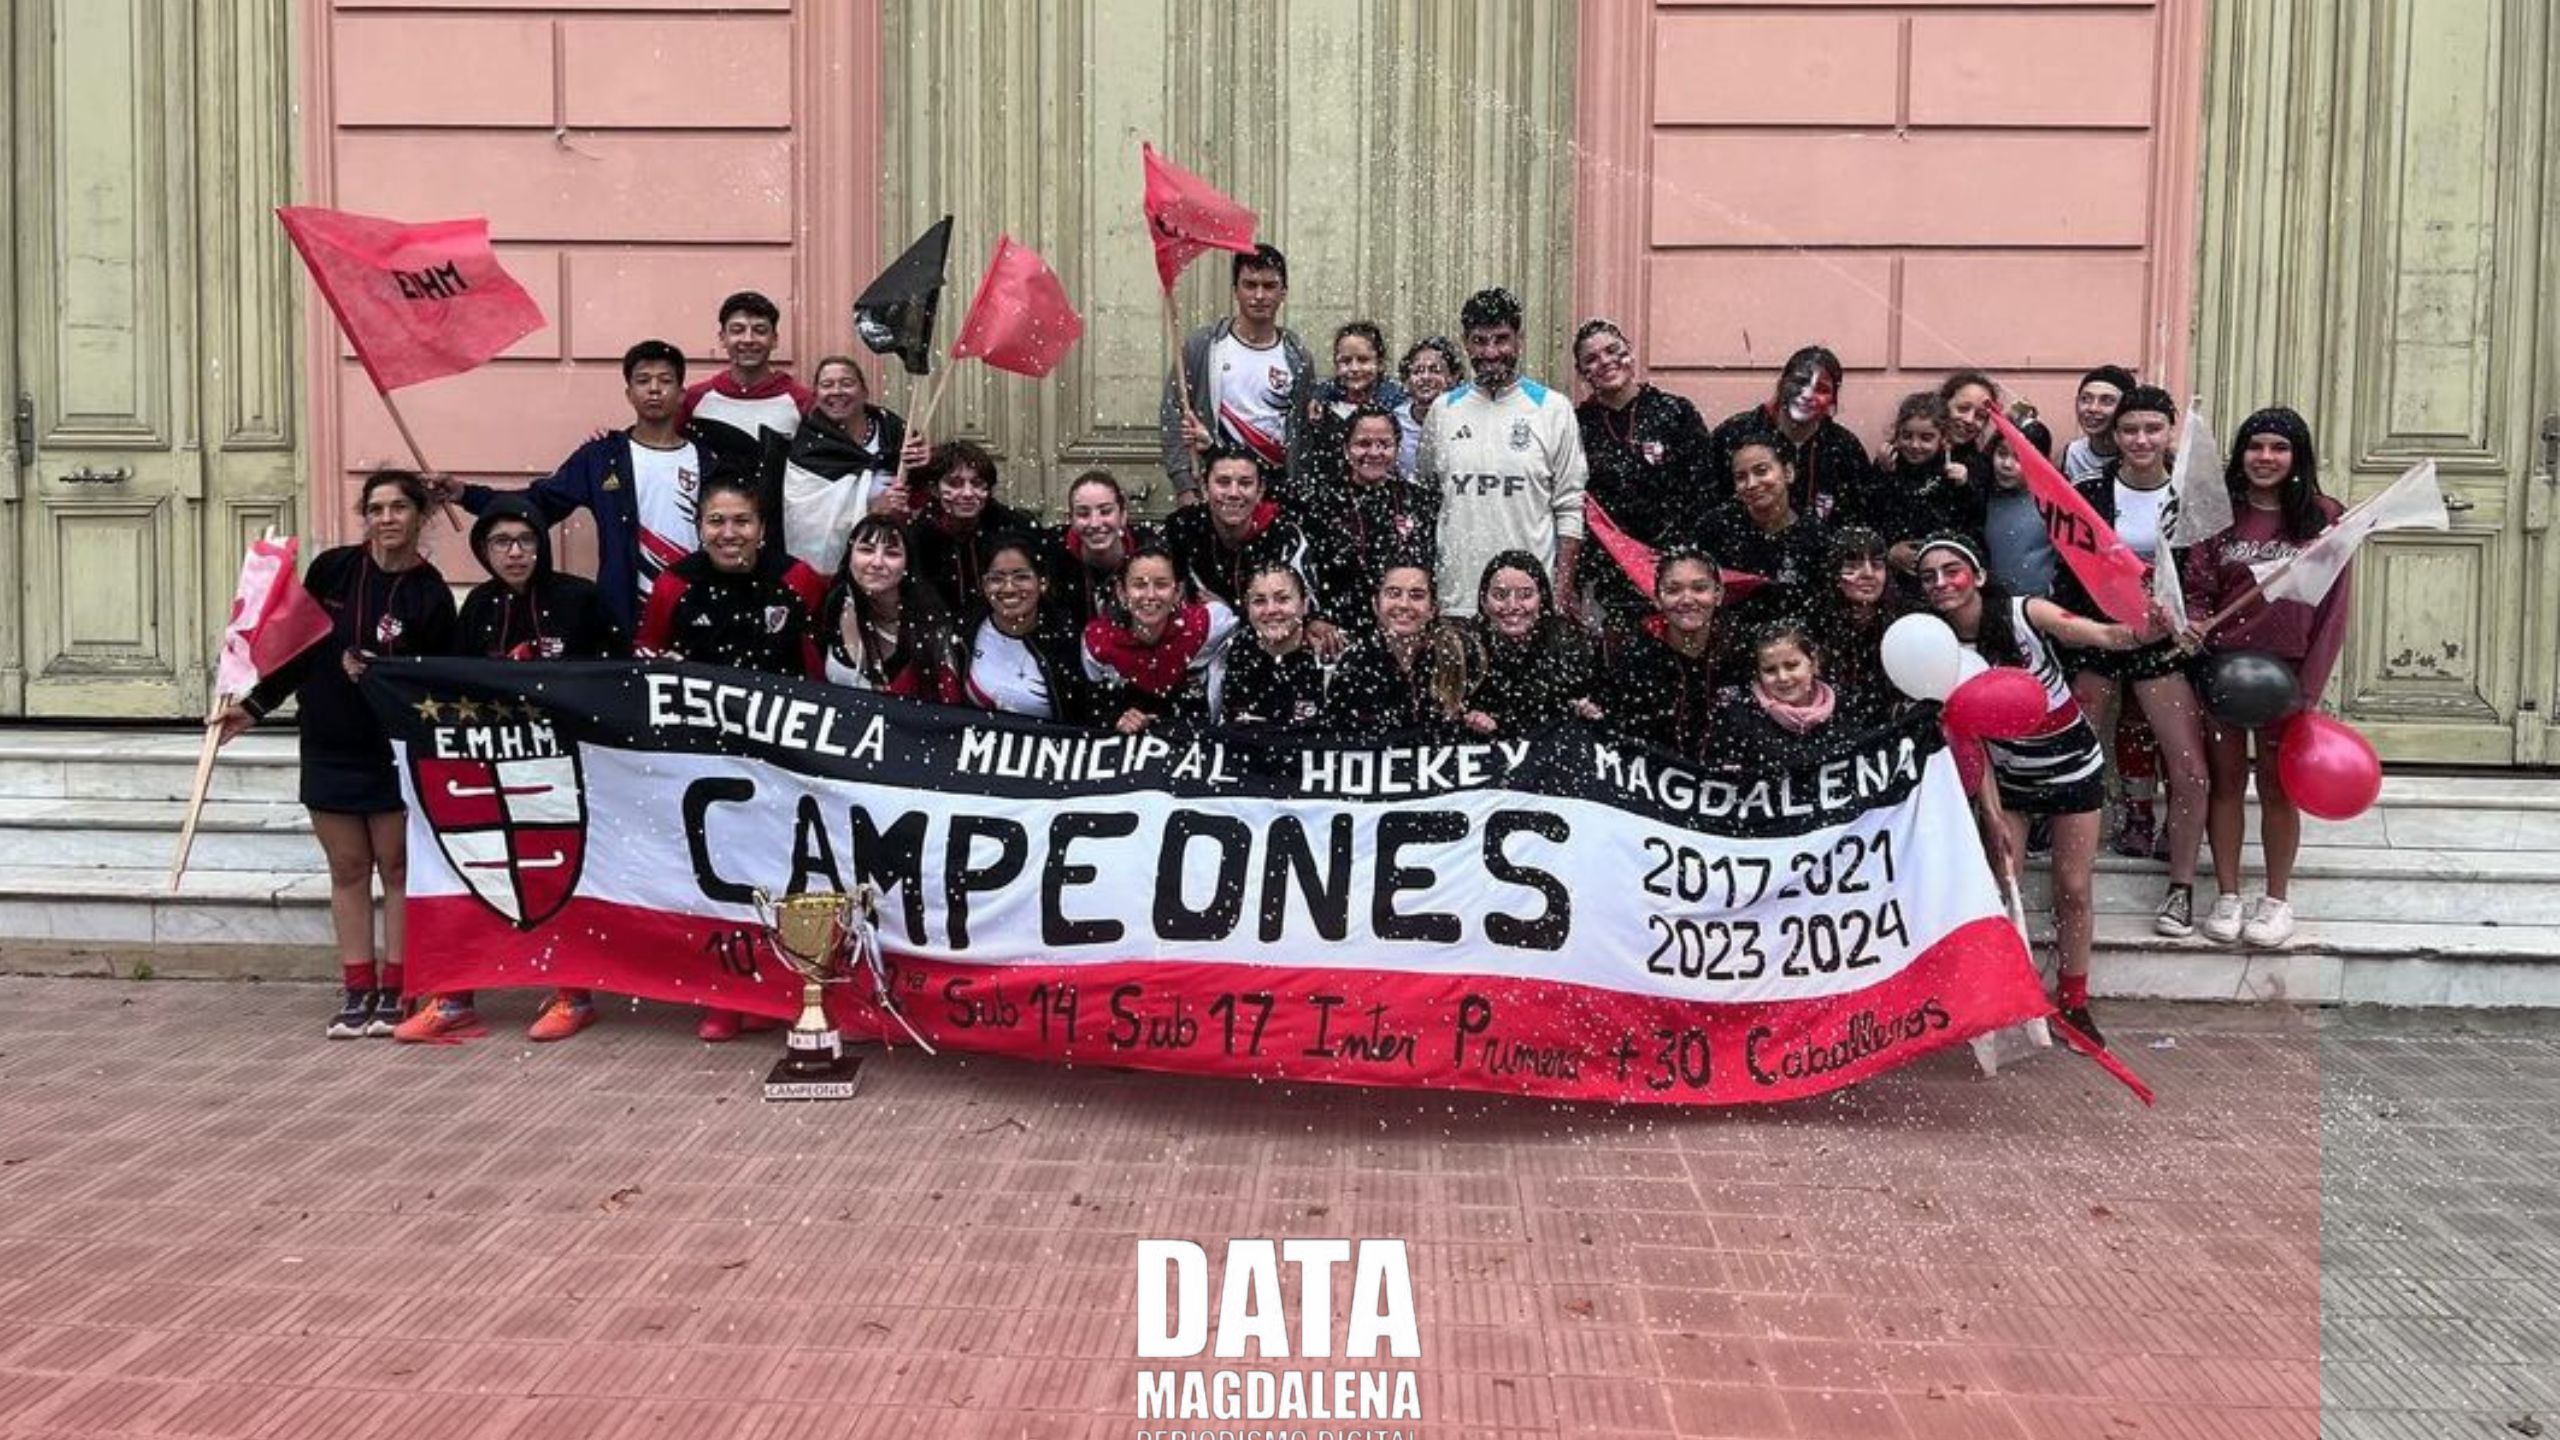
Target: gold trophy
x,y
813,933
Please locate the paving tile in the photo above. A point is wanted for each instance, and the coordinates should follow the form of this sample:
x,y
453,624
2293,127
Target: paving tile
x,y
612,1239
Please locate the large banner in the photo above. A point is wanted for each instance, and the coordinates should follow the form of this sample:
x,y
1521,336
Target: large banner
x,y
1555,914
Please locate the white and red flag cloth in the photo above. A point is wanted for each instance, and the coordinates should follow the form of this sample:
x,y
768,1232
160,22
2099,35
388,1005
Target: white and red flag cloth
x,y
416,301
2105,566
1021,320
1187,216
273,619
1552,914
2415,501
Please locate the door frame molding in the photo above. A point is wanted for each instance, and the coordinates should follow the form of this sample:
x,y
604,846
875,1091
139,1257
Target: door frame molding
x,y
13,483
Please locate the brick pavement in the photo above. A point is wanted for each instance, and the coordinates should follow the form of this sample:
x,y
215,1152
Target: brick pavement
x,y
213,1223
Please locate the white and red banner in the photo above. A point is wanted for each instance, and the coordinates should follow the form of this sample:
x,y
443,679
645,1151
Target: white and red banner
x,y
1555,914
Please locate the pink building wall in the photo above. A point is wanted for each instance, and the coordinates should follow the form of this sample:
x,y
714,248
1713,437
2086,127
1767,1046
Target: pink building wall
x,y
637,160
1924,186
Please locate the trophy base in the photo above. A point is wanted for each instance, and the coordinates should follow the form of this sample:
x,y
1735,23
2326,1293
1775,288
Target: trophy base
x,y
828,1078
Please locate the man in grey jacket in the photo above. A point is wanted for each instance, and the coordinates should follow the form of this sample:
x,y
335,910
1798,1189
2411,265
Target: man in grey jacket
x,y
1250,379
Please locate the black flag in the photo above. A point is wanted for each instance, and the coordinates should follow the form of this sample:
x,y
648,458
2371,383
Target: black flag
x,y
895,315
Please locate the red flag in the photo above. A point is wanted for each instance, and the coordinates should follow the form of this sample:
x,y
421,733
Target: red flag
x,y
1636,557
416,301
1187,216
2107,568
273,619
1021,320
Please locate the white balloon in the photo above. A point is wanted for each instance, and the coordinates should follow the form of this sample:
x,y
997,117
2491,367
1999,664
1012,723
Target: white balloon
x,y
1922,657
1968,665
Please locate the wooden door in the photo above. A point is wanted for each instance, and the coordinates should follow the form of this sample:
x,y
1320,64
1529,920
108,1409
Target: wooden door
x,y
151,368
2379,243
1403,153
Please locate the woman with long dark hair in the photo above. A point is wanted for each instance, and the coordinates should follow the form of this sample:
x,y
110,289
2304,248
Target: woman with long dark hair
x,y
883,627
1850,621
384,598
1532,666
1670,670
2276,508
1022,655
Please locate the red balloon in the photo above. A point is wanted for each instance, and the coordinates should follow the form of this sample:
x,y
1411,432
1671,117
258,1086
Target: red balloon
x,y
2327,768
2002,703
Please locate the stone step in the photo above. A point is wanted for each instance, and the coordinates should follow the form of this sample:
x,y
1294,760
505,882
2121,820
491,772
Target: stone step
x,y
229,924
142,765
2482,966
2344,884
267,835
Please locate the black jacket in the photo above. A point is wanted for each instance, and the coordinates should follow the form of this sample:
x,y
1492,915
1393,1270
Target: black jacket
x,y
1529,684
1749,741
1835,477
1658,696
1372,696
1355,533
1273,692
947,560
1215,567
1796,561
764,619
372,611
555,616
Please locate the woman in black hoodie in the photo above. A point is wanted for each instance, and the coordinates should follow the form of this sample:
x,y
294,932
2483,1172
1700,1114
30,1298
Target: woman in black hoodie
x,y
525,610
956,509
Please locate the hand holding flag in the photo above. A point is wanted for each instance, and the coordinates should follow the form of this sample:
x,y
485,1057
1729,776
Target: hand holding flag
x,y
2199,508
273,620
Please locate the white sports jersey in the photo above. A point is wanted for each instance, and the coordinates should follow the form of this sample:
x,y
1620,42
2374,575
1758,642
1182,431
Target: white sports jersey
x,y
2138,518
1510,474
779,413
1005,675
1252,393
667,487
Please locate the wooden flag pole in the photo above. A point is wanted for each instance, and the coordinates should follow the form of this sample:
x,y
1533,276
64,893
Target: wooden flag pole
x,y
924,417
196,794
1173,346
400,423
204,769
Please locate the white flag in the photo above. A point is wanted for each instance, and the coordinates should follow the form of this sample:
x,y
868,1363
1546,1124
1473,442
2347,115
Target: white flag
x,y
818,514
2203,494
2411,503
2198,508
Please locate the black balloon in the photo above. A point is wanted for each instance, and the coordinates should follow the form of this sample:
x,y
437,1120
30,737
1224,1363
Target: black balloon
x,y
2249,688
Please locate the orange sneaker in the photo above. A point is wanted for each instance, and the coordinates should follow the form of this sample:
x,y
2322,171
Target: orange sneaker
x,y
717,1027
565,1014
443,1018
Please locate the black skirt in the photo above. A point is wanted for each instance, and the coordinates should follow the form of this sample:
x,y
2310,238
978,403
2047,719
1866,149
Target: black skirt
x,y
349,785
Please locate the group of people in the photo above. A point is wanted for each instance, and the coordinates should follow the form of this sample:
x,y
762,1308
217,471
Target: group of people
x,y
1363,555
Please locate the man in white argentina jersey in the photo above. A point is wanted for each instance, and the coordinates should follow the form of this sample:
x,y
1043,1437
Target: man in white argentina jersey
x,y
1505,453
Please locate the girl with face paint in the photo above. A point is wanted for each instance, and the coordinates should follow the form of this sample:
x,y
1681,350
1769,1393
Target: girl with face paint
x,y
2129,495
1533,666
1648,456
1160,651
2276,508
2058,772
1834,480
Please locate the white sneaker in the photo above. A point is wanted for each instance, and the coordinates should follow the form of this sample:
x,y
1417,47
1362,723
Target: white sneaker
x,y
2270,924
2222,926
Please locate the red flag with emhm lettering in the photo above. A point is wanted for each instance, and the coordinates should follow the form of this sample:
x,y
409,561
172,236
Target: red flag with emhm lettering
x,y
2106,567
1187,215
416,301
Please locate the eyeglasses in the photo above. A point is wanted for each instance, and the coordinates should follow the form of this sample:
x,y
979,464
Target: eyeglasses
x,y
512,542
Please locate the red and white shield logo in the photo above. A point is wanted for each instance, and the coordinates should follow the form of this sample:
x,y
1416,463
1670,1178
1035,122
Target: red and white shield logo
x,y
514,830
